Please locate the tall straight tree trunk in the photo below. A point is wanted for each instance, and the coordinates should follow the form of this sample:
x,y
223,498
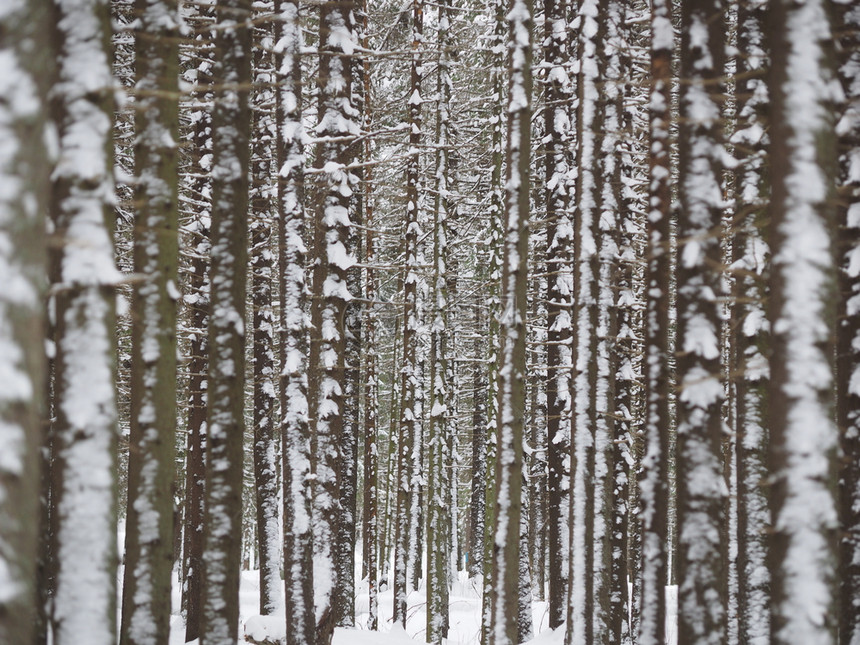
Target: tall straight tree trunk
x,y
263,324
477,498
151,466
494,265
653,478
440,460
410,374
701,513
586,240
847,24
558,258
85,428
196,299
750,331
507,528
803,435
25,48
611,617
371,494
293,378
328,307
231,123
348,476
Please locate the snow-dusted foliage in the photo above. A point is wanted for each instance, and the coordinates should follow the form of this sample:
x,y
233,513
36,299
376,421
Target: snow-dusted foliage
x,y
85,430
231,124
149,524
24,173
653,478
336,127
512,329
558,90
803,435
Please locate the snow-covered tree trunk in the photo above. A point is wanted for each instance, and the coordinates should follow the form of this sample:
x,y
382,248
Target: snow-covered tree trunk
x,y
653,477
477,500
262,216
336,127
847,24
750,329
370,530
196,186
151,466
439,442
410,375
611,608
231,123
558,257
803,435
701,510
586,240
85,429
495,217
293,377
512,326
344,592
25,52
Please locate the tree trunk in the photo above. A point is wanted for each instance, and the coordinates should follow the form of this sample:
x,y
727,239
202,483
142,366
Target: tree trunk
x,y
293,378
25,169
803,436
328,337
231,122
507,528
653,476
750,330
151,466
261,219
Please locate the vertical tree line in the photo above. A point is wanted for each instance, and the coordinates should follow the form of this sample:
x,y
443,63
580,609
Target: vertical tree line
x,y
370,294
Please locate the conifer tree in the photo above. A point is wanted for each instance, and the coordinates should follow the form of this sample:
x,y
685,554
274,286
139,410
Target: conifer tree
x,y
25,49
231,123
512,324
803,434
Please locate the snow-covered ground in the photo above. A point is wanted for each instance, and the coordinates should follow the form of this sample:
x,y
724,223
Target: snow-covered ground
x,y
464,607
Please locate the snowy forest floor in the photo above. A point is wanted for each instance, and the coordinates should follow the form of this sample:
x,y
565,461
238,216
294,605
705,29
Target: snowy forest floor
x,y
464,608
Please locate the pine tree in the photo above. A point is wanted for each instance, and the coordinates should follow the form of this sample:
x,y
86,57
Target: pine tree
x,y
507,528
231,123
336,127
196,186
440,460
701,518
410,375
85,428
24,172
803,435
750,330
293,381
149,516
653,481
847,25
558,258
262,203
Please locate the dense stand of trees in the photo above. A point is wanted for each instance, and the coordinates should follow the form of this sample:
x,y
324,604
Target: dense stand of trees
x,y
564,296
